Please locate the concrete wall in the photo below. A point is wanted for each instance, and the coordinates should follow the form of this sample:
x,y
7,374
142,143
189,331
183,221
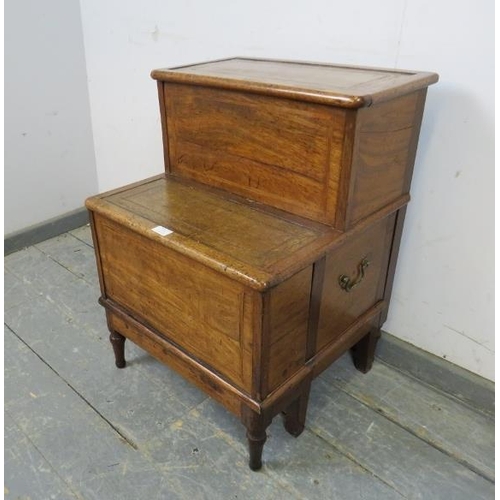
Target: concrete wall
x,y
49,154
443,295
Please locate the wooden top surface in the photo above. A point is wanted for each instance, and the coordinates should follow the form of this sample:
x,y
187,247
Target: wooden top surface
x,y
345,86
253,244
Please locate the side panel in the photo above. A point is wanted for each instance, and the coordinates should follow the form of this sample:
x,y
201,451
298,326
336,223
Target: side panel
x,y
384,153
287,326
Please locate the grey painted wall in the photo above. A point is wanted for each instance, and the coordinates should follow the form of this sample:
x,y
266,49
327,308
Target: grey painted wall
x,y
49,152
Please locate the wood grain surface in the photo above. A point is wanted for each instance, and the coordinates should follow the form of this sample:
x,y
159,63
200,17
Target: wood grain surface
x,y
386,138
328,162
197,308
268,248
343,86
288,323
280,152
339,309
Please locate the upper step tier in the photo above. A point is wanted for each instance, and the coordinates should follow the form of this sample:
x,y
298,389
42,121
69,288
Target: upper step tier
x,y
330,143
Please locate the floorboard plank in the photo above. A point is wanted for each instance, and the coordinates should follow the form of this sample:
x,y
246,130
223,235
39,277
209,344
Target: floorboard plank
x,y
140,401
73,254
144,432
308,465
84,234
67,306
412,467
197,459
443,422
86,363
84,450
76,298
185,459
15,291
27,472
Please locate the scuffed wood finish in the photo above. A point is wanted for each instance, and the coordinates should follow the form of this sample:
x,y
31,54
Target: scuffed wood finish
x,y
295,415
249,242
330,143
189,367
343,86
288,325
256,425
318,278
255,342
386,140
254,349
200,309
339,309
363,353
163,111
396,242
268,248
280,152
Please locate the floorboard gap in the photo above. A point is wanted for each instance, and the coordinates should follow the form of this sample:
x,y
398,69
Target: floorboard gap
x,y
118,431
79,239
381,412
54,470
352,458
62,265
438,390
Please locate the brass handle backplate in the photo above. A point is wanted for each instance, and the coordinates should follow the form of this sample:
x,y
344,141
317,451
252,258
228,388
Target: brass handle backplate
x,y
347,284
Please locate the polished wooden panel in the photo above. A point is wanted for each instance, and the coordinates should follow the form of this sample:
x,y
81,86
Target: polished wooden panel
x,y
280,152
163,119
355,333
190,368
196,307
289,305
318,276
281,177
339,309
244,127
249,242
393,259
386,138
344,86
288,322
224,126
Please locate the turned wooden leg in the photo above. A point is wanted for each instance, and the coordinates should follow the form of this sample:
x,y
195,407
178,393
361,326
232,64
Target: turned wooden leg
x,y
256,425
255,447
118,342
363,352
295,414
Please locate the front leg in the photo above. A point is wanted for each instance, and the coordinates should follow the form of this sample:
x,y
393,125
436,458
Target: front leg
x,y
256,425
118,342
256,441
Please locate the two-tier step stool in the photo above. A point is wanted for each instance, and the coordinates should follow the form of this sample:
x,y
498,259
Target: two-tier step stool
x,y
268,247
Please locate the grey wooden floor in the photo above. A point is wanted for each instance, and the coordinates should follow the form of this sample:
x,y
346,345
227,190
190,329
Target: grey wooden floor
x,y
76,427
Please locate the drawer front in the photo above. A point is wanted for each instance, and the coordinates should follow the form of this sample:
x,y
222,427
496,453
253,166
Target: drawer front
x,y
202,311
284,153
354,280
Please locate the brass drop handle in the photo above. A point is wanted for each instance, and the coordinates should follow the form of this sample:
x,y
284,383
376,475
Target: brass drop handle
x,y
347,284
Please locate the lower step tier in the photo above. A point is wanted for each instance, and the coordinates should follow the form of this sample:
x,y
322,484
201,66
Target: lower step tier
x,y
249,321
